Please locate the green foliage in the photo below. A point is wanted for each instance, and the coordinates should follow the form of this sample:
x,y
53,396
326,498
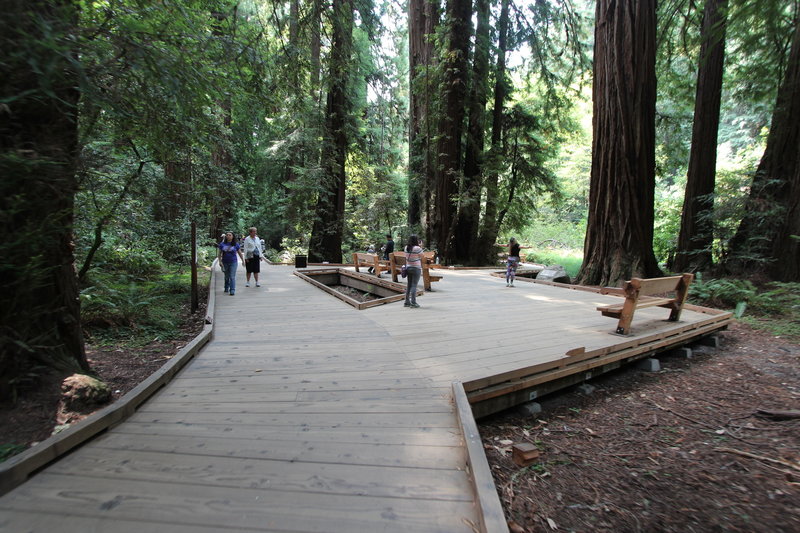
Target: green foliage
x,y
777,311
571,260
9,450
119,308
773,307
667,221
723,293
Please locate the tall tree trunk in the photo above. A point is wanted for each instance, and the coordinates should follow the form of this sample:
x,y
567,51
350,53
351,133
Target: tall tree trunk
x,y
316,45
451,125
174,191
326,236
469,208
619,236
38,145
485,251
764,240
422,22
222,199
696,235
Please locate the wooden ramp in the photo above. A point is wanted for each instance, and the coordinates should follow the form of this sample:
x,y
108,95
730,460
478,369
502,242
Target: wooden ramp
x,y
307,415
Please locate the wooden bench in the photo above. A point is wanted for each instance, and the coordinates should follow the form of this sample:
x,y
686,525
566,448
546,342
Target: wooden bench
x,y
370,261
398,259
640,293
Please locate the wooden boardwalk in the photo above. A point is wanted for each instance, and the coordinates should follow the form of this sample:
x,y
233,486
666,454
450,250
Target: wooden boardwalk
x,y
307,415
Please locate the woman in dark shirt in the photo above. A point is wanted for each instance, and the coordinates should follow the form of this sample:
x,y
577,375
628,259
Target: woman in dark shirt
x,y
230,259
513,261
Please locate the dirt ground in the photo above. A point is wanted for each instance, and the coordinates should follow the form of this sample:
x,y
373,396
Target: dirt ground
x,y
680,450
34,417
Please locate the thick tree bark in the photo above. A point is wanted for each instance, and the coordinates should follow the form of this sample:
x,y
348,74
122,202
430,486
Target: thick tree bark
x,y
485,251
222,199
764,241
174,191
619,236
696,235
423,17
469,208
38,145
326,236
451,125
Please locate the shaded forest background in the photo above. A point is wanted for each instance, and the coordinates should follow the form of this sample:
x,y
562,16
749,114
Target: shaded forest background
x,y
626,138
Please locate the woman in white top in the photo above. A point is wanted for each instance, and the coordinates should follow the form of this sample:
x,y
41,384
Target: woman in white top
x,y
413,270
253,253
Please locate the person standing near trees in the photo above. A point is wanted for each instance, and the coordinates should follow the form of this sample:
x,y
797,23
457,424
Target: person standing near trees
x,y
388,248
253,253
229,249
512,261
413,269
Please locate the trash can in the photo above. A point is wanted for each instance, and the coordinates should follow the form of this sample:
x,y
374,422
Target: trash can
x,y
300,261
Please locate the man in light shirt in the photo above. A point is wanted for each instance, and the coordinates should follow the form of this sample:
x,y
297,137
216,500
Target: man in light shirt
x,y
253,254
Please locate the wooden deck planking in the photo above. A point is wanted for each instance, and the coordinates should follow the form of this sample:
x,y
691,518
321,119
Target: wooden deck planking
x,y
297,417
374,420
434,436
264,509
351,480
305,414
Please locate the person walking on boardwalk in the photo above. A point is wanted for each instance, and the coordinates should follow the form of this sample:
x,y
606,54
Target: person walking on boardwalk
x,y
253,253
413,269
512,261
231,253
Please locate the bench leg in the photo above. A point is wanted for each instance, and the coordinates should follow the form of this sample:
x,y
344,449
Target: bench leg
x,y
626,316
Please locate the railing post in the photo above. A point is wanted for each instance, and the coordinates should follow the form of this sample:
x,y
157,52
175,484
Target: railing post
x,y
193,261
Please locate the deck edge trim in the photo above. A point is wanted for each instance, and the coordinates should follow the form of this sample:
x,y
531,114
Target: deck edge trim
x,y
490,510
18,469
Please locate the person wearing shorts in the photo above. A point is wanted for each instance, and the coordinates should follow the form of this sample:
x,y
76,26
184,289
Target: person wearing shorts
x,y
253,253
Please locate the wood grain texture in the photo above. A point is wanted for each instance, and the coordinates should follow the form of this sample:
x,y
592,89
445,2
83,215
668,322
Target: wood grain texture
x,y
305,414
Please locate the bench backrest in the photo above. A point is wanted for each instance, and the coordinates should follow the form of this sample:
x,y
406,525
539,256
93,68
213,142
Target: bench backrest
x,y
397,259
363,257
650,286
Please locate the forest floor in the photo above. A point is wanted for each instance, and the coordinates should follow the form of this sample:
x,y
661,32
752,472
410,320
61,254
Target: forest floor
x,y
38,411
680,450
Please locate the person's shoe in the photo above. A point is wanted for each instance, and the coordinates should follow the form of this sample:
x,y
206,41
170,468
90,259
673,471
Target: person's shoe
x,y
512,284
258,284
226,290
231,293
247,284
415,305
406,304
508,284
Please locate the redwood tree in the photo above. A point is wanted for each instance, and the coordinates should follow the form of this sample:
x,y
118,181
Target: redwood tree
x,y
696,235
469,208
451,124
38,144
619,236
423,18
326,236
768,236
489,225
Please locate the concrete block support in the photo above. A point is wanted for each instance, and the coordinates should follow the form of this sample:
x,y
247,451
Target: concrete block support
x,y
710,340
684,352
586,389
530,409
650,364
